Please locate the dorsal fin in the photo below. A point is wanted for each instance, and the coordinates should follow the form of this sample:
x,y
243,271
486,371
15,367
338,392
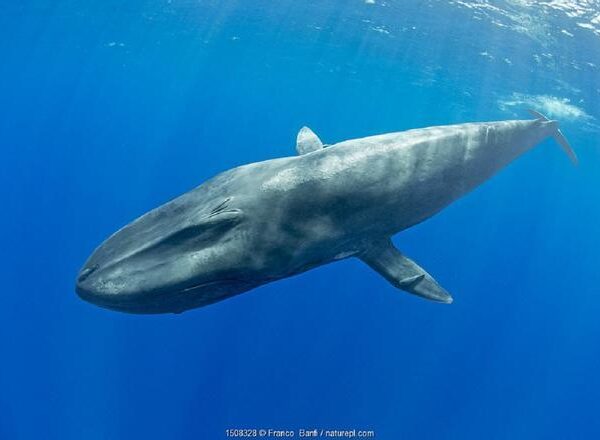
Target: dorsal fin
x,y
307,141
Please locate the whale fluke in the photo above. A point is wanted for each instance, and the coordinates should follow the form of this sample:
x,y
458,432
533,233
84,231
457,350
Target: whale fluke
x,y
558,137
307,141
403,273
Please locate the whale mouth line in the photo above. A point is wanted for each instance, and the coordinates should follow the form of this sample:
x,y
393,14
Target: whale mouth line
x,y
198,286
158,301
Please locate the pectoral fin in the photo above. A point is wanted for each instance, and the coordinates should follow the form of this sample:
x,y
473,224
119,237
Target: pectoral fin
x,y
403,273
307,141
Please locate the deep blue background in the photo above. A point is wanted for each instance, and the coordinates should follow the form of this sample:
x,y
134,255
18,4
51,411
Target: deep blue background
x,y
110,108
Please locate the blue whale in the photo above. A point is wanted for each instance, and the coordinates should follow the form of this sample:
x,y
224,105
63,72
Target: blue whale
x,y
269,220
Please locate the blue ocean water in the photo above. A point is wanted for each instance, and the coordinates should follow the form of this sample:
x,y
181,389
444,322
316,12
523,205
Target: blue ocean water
x,y
111,108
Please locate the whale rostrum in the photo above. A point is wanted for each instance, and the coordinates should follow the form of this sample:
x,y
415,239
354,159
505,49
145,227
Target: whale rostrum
x,y
269,220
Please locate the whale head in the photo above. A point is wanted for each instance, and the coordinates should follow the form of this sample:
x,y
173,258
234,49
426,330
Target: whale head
x,y
184,254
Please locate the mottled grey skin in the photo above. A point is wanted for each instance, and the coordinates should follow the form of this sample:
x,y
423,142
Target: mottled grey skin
x,y
270,220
